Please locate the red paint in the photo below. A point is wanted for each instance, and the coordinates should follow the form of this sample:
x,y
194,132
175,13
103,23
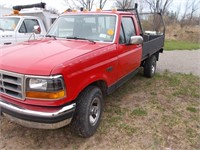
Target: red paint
x,y
80,62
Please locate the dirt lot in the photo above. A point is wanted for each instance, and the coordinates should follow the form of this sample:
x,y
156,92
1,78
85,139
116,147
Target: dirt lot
x,y
158,113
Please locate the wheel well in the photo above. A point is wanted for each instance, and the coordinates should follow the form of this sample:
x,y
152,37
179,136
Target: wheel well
x,y
102,85
155,54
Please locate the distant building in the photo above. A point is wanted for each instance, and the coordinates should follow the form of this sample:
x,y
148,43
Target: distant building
x,y
4,11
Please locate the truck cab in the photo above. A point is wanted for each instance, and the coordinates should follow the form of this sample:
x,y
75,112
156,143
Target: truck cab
x,y
16,29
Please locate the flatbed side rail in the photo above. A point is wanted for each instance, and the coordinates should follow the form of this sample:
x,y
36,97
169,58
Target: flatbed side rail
x,y
153,46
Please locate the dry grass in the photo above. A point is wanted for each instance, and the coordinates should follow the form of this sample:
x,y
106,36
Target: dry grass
x,y
187,33
158,113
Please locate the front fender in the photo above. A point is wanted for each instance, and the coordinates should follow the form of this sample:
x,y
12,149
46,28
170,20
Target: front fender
x,y
88,81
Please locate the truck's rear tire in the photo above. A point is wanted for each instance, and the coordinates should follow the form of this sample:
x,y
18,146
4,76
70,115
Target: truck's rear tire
x,y
150,66
88,112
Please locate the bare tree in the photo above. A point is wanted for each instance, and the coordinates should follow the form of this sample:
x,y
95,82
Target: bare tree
x,y
178,10
186,8
190,8
71,4
141,6
172,16
194,7
86,4
124,4
157,5
102,3
53,10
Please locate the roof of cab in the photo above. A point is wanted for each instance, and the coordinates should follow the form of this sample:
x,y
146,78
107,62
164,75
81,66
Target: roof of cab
x,y
17,16
112,12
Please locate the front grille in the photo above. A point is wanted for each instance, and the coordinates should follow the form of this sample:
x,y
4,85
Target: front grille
x,y
12,84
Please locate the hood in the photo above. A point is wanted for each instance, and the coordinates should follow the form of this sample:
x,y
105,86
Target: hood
x,y
41,56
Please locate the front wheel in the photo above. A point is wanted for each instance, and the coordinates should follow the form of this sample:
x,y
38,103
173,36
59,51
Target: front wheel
x,y
88,112
150,66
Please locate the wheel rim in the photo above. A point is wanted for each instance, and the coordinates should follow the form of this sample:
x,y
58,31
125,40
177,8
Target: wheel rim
x,y
94,111
153,67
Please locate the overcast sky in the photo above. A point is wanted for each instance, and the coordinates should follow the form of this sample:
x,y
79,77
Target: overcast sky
x,y
61,6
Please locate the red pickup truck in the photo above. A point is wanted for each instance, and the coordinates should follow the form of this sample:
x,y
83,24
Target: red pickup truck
x,y
63,78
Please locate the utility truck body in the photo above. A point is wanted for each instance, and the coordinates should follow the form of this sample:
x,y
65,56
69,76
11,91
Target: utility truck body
x,y
19,26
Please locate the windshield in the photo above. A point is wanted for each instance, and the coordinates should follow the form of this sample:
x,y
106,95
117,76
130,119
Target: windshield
x,y
8,24
91,27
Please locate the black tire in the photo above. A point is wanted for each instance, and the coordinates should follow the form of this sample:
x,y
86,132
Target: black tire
x,y
150,66
88,112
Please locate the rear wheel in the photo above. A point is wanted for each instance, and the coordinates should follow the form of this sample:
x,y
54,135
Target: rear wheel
x,y
150,66
88,112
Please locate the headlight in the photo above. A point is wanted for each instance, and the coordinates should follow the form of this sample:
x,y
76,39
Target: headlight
x,y
45,87
38,84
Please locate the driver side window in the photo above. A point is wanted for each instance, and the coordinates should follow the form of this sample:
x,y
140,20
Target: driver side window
x,y
127,30
28,25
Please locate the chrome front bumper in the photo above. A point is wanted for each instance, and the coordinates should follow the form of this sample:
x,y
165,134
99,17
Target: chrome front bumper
x,y
48,119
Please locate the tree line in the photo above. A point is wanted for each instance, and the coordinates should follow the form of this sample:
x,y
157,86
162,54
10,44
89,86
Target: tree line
x,y
188,16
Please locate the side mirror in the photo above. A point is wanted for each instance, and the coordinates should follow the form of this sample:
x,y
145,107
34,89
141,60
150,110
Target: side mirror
x,y
136,40
36,30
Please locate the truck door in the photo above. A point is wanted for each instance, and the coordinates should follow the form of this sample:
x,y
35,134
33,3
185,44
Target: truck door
x,y
129,55
26,29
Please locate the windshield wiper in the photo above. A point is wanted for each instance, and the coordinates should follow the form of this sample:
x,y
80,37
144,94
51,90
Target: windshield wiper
x,y
79,38
53,36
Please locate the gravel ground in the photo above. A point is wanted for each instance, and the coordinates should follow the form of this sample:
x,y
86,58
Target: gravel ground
x,y
180,61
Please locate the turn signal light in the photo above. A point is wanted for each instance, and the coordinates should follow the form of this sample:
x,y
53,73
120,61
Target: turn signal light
x,y
114,10
85,10
16,12
46,95
98,10
74,11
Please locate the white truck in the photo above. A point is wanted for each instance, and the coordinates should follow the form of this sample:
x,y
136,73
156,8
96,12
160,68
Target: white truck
x,y
20,25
